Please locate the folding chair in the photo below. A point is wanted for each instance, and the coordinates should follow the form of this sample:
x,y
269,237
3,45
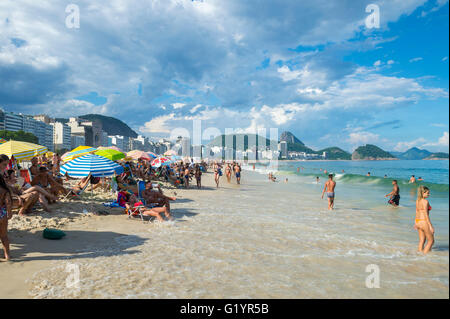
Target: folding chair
x,y
75,195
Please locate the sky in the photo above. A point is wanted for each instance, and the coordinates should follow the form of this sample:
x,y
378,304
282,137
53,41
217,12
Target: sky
x,y
321,69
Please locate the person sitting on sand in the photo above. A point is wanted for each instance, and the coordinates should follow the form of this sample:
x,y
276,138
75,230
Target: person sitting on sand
x,y
44,180
34,168
157,197
423,223
329,187
24,200
395,194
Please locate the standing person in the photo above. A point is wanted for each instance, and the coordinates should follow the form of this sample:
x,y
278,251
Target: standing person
x,y
198,176
395,194
5,207
237,171
187,172
422,223
317,179
228,172
217,173
253,166
329,187
412,179
34,168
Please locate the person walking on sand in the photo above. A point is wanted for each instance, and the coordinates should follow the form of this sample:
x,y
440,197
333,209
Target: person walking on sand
x,y
237,171
422,223
198,177
217,173
329,187
395,194
228,172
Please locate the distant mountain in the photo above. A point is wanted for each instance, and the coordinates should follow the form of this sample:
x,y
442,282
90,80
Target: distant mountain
x,y
437,156
335,153
414,154
371,152
290,138
111,125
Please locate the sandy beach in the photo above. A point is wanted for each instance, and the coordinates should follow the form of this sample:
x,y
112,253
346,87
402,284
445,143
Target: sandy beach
x,y
255,240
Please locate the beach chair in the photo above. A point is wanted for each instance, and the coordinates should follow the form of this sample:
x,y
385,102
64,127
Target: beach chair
x,y
137,210
26,175
74,194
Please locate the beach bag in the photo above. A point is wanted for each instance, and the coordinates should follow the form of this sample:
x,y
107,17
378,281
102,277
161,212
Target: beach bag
x,y
50,233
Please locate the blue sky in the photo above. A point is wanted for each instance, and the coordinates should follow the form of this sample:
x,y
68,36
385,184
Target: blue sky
x,y
310,67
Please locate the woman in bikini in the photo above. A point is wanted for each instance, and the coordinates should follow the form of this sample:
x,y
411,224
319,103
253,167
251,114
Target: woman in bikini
x,y
217,173
228,172
5,207
422,223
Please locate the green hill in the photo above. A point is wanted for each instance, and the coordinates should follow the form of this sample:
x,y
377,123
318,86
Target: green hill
x,y
335,153
290,138
371,152
414,154
111,125
436,156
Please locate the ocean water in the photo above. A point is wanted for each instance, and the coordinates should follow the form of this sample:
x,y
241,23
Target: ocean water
x,y
273,240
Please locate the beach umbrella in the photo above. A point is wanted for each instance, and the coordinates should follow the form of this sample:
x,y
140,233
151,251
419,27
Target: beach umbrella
x,y
170,153
160,161
2,141
22,150
77,152
110,148
112,155
138,155
98,166
153,155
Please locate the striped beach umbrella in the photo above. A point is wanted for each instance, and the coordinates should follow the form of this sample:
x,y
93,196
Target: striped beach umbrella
x,y
160,161
2,140
112,155
22,150
98,166
77,152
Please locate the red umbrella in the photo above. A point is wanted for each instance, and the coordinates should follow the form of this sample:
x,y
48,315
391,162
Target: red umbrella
x,y
160,161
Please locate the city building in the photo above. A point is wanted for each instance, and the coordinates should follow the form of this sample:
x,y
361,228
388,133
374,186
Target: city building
x,y
61,136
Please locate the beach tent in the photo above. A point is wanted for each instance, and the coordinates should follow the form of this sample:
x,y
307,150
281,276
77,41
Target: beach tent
x,y
112,155
77,152
22,150
138,155
97,166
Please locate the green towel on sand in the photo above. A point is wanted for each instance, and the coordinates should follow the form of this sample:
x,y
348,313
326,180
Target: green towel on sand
x,y
50,233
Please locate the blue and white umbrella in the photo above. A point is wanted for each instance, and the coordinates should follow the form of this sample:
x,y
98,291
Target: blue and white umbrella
x,y
97,166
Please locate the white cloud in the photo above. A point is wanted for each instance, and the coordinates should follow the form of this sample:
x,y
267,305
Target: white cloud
x,y
415,59
178,105
158,124
442,141
404,146
358,138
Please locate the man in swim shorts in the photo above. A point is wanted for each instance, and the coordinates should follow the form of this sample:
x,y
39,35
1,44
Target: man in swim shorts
x,y
329,187
237,171
395,194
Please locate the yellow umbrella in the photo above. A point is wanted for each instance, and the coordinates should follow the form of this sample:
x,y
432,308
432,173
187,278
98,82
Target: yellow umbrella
x,y
77,152
22,150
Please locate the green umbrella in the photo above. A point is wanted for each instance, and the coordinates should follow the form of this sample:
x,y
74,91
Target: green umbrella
x,y
112,155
